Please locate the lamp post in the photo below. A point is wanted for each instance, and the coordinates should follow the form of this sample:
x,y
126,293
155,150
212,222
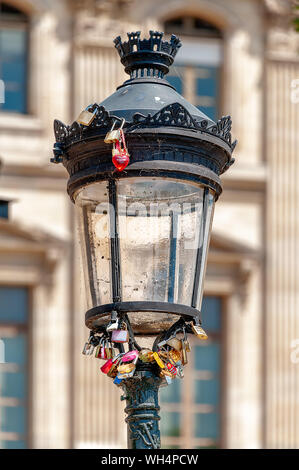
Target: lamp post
x,y
144,170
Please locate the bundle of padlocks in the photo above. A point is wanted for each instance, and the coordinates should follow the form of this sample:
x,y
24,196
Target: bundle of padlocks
x,y
169,351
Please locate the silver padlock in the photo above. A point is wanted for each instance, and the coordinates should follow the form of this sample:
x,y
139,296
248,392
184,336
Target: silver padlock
x,y
88,349
114,322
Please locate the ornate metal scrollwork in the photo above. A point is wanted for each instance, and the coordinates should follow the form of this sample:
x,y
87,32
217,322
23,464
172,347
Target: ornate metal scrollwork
x,y
144,431
174,115
222,129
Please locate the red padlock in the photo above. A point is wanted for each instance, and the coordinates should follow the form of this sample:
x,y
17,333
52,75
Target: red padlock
x,y
171,368
107,366
120,156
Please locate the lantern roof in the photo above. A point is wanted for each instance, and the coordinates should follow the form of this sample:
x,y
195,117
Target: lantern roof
x,y
147,61
153,115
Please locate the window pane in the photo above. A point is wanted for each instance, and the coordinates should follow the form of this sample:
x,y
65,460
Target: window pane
x,y
12,445
13,43
15,349
207,357
211,314
170,423
12,419
207,425
12,384
13,304
172,393
207,392
207,90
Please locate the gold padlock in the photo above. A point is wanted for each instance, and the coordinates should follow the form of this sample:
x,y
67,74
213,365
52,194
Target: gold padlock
x,y
174,343
126,368
175,355
85,118
164,372
112,136
146,355
199,331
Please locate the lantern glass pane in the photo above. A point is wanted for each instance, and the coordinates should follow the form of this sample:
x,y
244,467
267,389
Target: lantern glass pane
x,y
159,224
94,231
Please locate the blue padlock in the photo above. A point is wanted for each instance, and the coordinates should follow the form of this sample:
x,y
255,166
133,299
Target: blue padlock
x,y
117,381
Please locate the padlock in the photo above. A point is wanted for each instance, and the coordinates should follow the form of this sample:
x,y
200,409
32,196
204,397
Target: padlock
x,y
114,135
86,117
114,322
112,372
110,353
120,156
184,354
101,351
111,363
172,369
117,381
175,356
186,342
158,360
127,370
130,356
180,371
146,355
107,366
165,373
88,349
120,336
172,340
175,343
113,325
199,331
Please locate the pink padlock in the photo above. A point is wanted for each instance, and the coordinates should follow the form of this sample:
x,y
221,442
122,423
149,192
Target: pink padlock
x,y
120,336
130,356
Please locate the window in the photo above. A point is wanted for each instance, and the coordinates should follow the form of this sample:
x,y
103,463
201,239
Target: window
x,y
196,71
13,58
14,304
190,408
4,208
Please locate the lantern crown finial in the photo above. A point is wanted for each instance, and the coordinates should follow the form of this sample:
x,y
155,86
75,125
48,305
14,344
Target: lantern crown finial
x,y
150,57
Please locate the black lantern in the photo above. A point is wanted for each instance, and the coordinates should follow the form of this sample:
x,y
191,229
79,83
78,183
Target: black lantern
x,y
145,220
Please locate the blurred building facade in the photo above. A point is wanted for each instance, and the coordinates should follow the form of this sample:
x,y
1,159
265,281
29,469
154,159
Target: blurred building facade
x,y
241,388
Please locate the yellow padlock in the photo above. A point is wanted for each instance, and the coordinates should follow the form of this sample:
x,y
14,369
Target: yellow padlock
x,y
199,331
158,360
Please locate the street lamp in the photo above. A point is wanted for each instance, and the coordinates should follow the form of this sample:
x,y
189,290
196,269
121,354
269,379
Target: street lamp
x,y
144,170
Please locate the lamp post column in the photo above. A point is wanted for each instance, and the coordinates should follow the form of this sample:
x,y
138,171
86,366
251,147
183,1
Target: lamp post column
x,y
141,394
